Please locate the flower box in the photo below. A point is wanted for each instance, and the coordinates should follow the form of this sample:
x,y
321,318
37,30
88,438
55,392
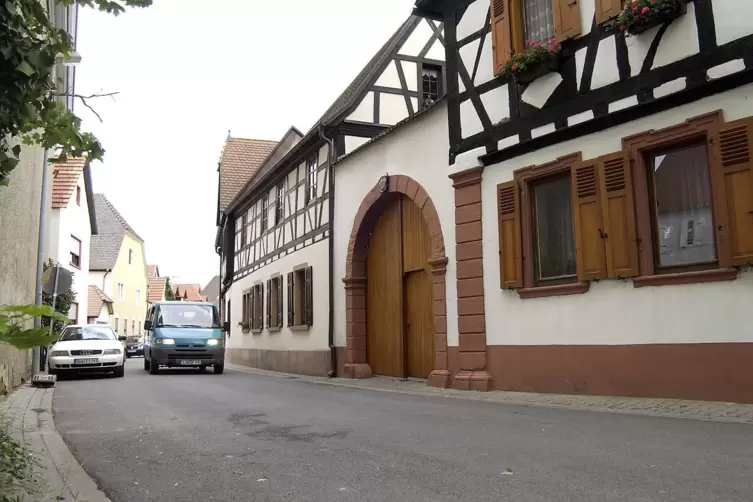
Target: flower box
x,y
642,15
535,60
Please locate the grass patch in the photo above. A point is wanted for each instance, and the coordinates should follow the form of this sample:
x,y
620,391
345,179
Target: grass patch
x,y
17,466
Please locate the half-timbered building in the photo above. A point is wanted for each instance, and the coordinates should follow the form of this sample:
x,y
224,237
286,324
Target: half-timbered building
x,y
603,195
275,237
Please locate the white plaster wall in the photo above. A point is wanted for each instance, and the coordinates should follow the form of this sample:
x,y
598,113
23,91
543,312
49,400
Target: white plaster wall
x,y
417,39
485,71
473,19
497,104
418,150
73,219
353,142
365,110
317,336
389,77
392,108
410,70
468,54
734,17
470,123
712,312
437,50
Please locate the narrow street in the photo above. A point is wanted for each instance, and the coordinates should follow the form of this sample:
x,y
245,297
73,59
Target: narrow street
x,y
194,437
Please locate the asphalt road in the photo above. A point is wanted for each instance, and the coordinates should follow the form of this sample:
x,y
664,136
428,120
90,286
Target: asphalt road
x,y
185,437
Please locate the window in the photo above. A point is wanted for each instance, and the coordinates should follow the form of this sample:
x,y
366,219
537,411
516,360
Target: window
x,y
264,212
300,297
78,195
431,82
312,178
553,235
125,327
73,312
253,310
75,252
133,327
130,256
514,22
280,206
116,325
246,312
682,221
274,302
121,291
138,297
244,231
683,193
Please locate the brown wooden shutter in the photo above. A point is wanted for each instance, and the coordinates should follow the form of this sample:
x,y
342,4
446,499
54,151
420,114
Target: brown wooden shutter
x,y
587,220
618,215
251,312
309,310
279,301
566,19
732,178
291,314
510,256
607,9
501,31
269,303
260,319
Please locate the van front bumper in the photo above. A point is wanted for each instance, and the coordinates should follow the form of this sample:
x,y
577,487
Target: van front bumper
x,y
187,357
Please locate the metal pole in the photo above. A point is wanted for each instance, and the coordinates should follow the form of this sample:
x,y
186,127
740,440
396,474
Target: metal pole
x,y
54,296
41,245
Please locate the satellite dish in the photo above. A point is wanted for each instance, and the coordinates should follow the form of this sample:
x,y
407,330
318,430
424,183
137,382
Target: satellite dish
x,y
56,276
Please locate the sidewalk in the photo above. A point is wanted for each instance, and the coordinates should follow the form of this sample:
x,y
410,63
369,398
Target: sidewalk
x,y
670,408
61,476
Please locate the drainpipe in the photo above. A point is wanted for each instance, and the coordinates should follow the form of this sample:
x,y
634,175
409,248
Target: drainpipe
x,y
332,349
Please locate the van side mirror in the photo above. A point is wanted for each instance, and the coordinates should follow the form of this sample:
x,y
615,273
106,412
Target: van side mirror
x,y
147,325
226,326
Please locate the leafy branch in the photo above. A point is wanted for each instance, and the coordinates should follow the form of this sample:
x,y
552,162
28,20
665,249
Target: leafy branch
x,y
14,322
31,108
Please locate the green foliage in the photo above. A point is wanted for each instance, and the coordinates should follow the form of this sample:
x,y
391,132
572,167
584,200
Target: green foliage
x,y
638,14
534,54
62,306
14,322
30,104
169,295
17,466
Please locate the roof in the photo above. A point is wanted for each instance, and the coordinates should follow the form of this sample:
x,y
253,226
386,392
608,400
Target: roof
x,y
156,289
152,271
104,250
109,220
189,292
240,159
373,69
65,178
212,289
97,298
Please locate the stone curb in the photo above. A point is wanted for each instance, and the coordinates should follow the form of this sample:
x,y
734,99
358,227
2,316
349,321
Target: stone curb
x,y
664,408
30,412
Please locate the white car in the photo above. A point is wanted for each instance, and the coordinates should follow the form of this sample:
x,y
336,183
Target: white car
x,y
88,348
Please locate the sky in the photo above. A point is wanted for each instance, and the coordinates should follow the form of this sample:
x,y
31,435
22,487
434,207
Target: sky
x,y
187,72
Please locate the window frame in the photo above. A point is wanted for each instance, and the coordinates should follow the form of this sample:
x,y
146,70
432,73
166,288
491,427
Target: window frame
x,y
244,230
121,291
79,255
280,202
639,147
74,305
312,173
526,178
440,82
264,223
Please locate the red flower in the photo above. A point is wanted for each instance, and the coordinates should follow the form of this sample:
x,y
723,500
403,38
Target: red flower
x,y
514,67
645,11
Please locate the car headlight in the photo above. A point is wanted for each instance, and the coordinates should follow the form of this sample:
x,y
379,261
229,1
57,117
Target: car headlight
x,y
110,352
140,346
55,353
165,341
213,342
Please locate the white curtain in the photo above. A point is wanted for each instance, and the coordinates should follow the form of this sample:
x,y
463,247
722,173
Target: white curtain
x,y
539,20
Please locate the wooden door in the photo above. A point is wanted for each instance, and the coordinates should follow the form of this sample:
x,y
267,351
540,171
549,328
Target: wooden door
x,y
400,323
384,310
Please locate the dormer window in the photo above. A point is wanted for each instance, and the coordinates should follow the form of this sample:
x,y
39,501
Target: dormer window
x,y
431,82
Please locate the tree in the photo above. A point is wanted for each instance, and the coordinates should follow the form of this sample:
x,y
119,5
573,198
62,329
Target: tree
x,y
30,104
62,305
169,295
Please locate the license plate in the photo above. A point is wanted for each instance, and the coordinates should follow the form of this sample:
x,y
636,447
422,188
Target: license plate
x,y
190,363
86,361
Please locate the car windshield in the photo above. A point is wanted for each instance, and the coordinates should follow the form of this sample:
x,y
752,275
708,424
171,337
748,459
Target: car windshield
x,y
135,339
87,333
188,316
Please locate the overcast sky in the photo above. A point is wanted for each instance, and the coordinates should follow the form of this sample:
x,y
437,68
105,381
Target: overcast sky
x,y
187,71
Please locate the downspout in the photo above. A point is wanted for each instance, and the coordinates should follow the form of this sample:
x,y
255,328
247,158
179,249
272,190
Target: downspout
x,y
331,161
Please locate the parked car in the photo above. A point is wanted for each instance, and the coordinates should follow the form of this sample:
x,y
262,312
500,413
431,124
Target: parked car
x,y
134,346
87,348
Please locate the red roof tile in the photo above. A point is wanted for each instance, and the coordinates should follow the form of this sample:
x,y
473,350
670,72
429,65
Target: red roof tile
x,y
65,177
239,161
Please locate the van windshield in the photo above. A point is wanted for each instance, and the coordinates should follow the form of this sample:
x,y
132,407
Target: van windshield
x,y
187,316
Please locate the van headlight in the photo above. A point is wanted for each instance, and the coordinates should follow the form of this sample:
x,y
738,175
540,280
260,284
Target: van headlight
x,y
165,341
214,342
109,352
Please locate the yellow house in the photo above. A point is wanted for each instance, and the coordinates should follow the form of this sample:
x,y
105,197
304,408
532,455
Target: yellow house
x,y
118,266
